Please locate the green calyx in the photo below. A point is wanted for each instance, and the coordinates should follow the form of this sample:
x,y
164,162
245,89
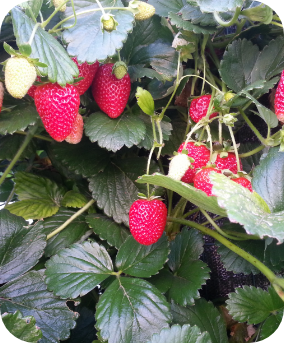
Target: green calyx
x,y
119,70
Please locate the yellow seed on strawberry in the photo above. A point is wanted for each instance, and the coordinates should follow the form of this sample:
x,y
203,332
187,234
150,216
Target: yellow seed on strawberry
x,y
146,11
20,74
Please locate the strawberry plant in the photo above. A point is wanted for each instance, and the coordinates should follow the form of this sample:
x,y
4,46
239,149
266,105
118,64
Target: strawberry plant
x,y
133,135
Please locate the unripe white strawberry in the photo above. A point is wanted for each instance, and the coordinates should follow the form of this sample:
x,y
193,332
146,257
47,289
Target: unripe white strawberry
x,y
1,95
178,166
57,3
20,74
146,11
77,131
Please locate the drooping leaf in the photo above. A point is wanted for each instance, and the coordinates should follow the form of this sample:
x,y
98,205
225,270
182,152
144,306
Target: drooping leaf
x,y
193,13
178,334
39,197
140,260
18,119
270,325
77,270
247,208
9,146
74,199
21,246
197,197
46,48
163,7
113,233
268,179
188,26
189,272
72,233
100,44
115,189
28,295
113,134
24,328
83,158
218,5
253,305
130,311
205,316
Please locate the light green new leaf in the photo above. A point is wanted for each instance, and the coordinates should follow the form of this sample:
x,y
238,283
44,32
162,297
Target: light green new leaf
x,y
39,197
28,295
140,260
178,334
108,230
197,197
20,246
247,208
113,134
130,311
189,272
145,101
24,328
253,305
77,270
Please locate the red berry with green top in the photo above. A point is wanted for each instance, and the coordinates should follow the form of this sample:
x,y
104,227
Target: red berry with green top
x,y
202,180
110,93
244,182
199,107
147,220
229,162
88,72
58,108
201,156
279,99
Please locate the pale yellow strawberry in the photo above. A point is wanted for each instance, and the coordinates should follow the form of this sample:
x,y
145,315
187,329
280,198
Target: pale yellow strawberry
x,y
57,3
77,131
20,74
146,11
109,24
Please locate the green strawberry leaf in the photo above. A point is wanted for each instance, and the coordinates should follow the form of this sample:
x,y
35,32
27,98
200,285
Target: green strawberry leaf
x,y
177,136
253,305
189,272
178,334
74,199
28,295
18,119
71,234
205,316
194,14
83,158
24,328
140,260
131,310
163,7
108,230
267,177
243,63
163,280
39,197
197,197
218,5
32,5
9,146
21,247
77,270
113,134
270,325
247,208
145,101
188,26
47,49
5,190
115,189
100,44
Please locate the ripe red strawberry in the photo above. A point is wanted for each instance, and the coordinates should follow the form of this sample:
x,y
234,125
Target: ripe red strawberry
x,y
229,162
110,93
279,99
33,88
202,181
244,182
198,108
58,108
147,220
201,156
77,131
88,72
1,95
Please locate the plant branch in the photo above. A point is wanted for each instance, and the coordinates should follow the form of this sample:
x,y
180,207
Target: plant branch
x,y
36,136
252,152
47,21
250,124
235,147
75,215
223,23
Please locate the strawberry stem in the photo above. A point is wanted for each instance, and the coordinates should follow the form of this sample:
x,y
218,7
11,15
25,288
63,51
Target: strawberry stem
x,y
210,141
235,147
47,21
203,45
221,22
33,33
250,124
252,152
